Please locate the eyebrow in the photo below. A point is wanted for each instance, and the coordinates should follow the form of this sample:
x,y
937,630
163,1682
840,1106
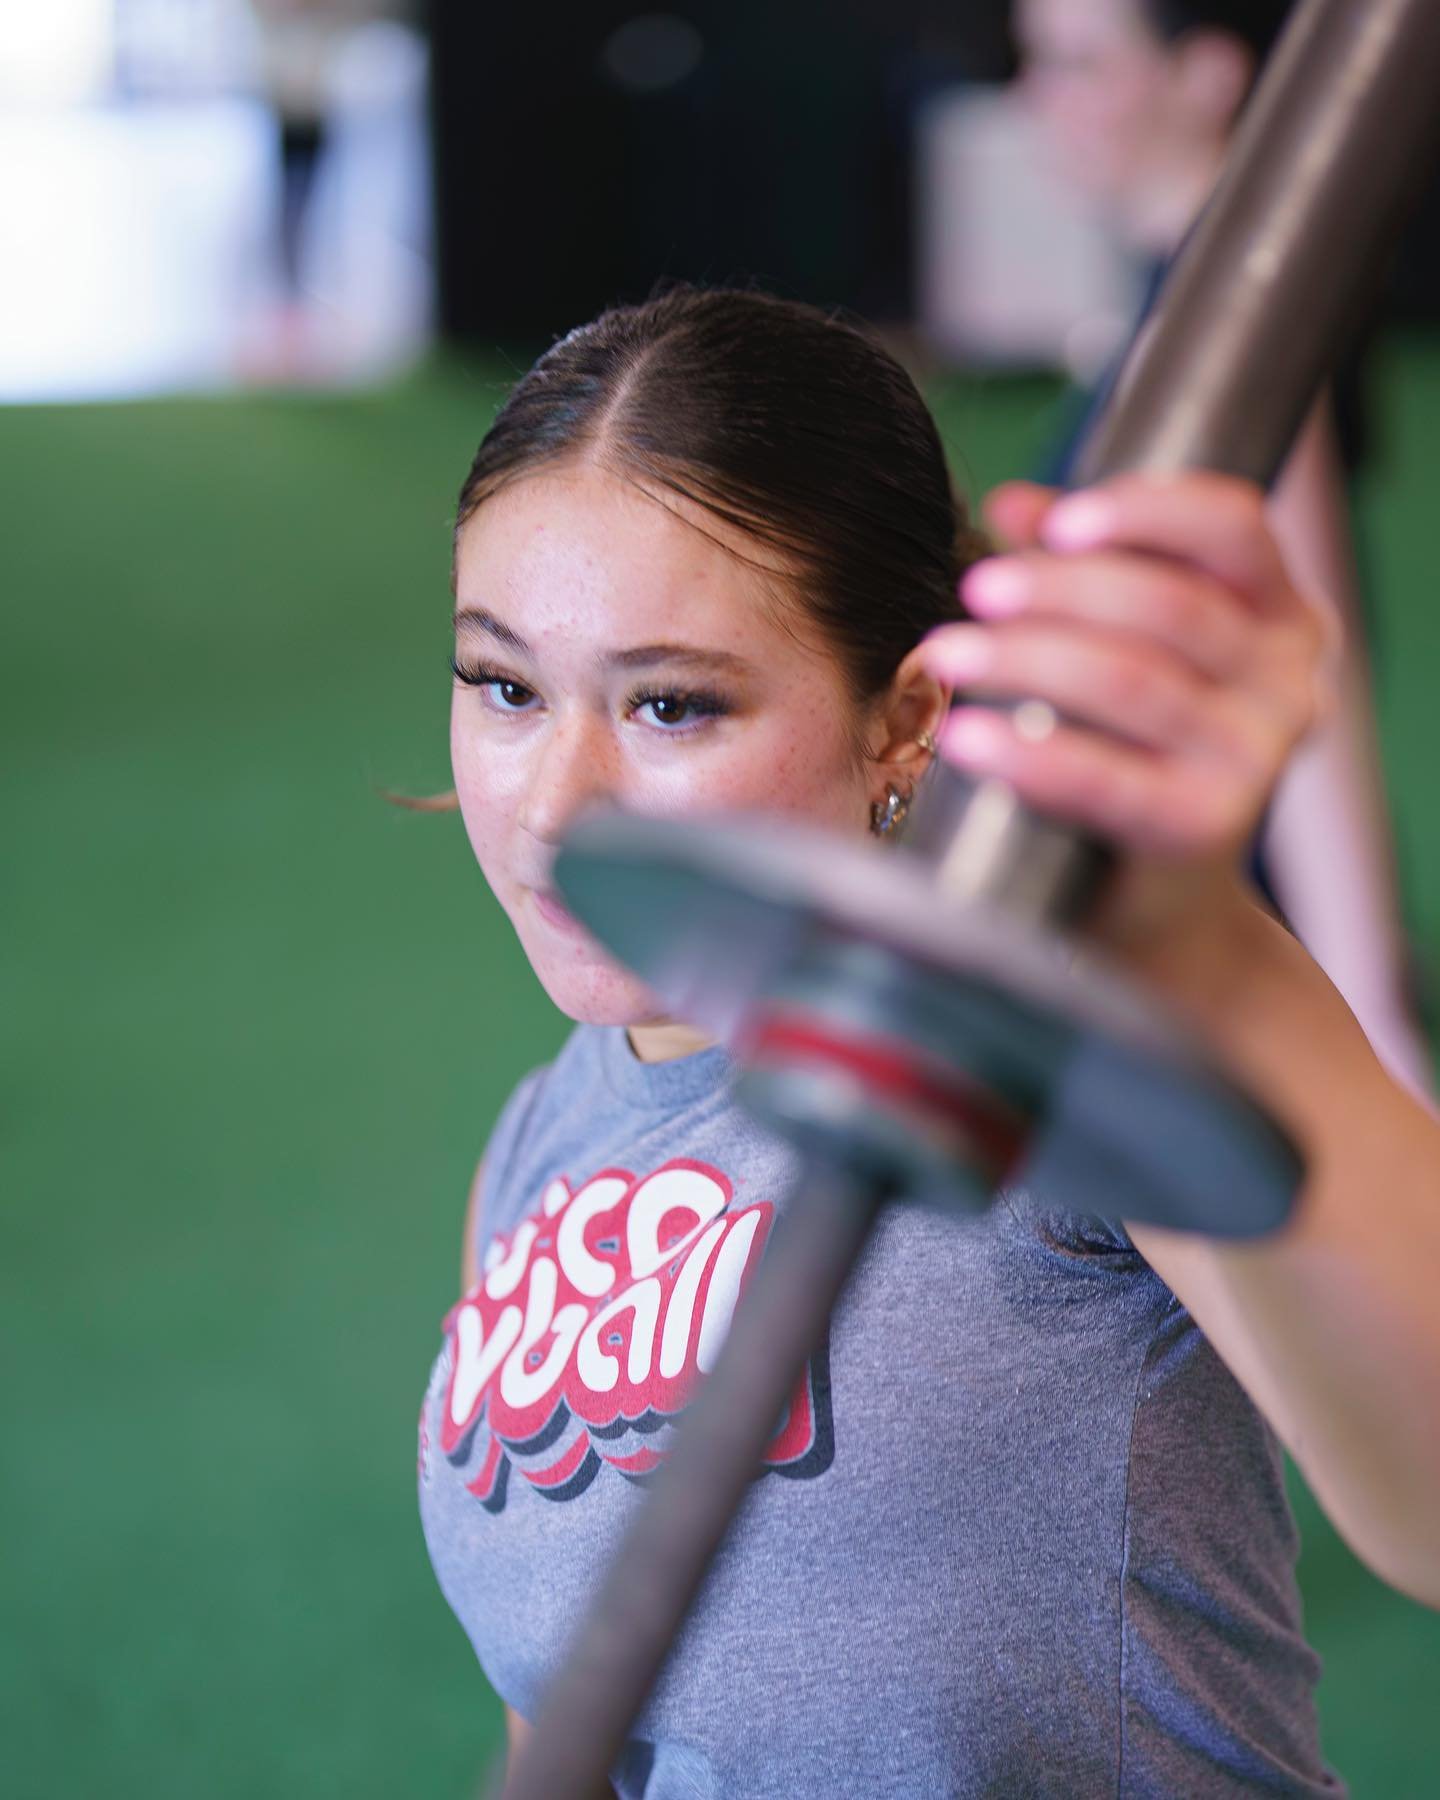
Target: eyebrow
x,y
639,656
486,621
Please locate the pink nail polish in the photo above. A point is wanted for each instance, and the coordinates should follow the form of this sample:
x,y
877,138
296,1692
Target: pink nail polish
x,y
963,653
1079,522
996,587
973,735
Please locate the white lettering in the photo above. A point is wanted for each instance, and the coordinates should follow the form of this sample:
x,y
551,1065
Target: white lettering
x,y
680,1313
520,1386
657,1195
596,1367
583,1270
725,1288
477,1357
504,1278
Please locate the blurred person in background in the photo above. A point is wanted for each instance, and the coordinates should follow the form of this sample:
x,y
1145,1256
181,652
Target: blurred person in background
x,y
1139,98
301,49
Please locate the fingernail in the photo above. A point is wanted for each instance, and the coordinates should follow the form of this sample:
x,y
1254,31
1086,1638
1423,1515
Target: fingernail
x,y
996,587
1078,523
973,735
961,652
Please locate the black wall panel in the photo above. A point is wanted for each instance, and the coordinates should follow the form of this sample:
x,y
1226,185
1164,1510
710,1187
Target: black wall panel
x,y
779,155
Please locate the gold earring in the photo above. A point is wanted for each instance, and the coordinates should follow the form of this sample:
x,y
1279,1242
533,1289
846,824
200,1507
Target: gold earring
x,y
926,741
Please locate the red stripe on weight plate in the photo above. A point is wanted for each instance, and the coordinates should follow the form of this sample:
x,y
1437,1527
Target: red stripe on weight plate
x,y
888,1067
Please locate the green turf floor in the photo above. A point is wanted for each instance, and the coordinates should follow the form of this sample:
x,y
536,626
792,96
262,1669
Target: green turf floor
x,y
255,1027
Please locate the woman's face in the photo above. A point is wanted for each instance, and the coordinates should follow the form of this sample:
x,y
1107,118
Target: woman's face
x,y
612,652
1101,84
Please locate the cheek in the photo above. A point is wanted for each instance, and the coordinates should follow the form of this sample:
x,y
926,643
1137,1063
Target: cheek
x,y
489,790
780,768
1098,118
584,983
577,976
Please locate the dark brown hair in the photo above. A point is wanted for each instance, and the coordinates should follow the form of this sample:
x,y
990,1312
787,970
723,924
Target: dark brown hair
x,y
789,424
1257,23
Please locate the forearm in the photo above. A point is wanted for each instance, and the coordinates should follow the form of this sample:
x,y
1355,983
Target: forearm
x,y
1328,838
1332,867
1333,1326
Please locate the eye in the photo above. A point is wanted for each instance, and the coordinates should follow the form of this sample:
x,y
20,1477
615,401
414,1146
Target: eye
x,y
669,709
501,691
677,713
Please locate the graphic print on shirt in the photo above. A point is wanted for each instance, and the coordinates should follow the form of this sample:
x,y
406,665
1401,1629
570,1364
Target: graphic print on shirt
x,y
592,1321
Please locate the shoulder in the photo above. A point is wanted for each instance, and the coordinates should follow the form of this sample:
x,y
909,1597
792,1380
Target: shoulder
x,y
495,1159
546,1095
526,1099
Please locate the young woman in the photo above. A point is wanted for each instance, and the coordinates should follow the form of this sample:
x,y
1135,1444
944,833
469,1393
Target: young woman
x,y
1023,1528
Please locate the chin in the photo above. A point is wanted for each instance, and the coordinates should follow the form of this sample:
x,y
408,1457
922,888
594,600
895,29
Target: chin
x,y
622,1003
586,984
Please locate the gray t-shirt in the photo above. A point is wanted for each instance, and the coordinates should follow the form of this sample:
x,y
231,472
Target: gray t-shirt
x,y
1020,1532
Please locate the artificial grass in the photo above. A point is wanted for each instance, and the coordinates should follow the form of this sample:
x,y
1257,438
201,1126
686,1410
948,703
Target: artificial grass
x,y
257,1026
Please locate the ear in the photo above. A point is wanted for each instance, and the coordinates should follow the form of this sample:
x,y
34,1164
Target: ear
x,y
1213,73
913,707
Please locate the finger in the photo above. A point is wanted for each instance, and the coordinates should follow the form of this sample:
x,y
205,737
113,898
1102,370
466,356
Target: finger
x,y
1151,804
1160,600
1214,521
1014,511
1118,682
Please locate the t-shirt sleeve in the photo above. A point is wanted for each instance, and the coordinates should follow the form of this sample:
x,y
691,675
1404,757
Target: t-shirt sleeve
x,y
500,1150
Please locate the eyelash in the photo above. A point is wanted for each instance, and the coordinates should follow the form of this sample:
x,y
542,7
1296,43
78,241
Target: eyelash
x,y
704,703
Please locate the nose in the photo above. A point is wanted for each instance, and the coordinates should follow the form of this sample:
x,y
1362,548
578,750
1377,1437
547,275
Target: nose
x,y
574,769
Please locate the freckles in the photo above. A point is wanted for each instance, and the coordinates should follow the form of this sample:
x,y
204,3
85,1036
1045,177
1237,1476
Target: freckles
x,y
735,788
586,984
781,768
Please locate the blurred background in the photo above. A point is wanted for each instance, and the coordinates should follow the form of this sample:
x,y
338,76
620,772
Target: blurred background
x,y
267,271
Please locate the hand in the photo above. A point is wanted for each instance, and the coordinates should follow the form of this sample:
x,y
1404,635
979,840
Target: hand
x,y
1156,616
